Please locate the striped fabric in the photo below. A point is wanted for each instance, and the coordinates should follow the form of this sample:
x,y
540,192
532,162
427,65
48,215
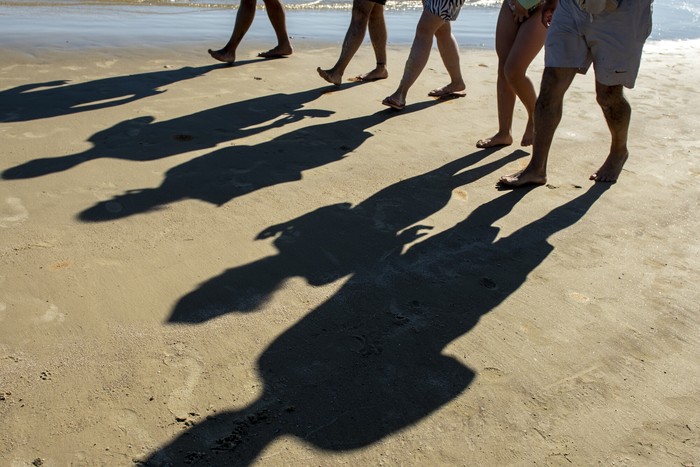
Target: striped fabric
x,y
448,10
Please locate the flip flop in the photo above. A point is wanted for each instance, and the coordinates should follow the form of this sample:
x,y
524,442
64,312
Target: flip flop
x,y
441,94
482,144
360,79
364,79
390,103
271,54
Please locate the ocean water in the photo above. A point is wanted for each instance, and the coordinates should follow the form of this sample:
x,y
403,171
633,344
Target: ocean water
x,y
123,22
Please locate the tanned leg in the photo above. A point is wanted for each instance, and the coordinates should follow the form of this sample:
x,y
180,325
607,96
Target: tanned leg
x,y
361,10
527,44
276,15
378,37
244,18
548,112
427,26
506,32
617,113
449,53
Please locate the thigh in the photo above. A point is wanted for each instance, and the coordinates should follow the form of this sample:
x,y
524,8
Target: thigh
x,y
363,7
528,42
429,23
506,31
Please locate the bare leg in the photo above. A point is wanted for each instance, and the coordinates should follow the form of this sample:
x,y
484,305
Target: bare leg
x,y
275,13
517,44
548,111
428,24
506,32
528,43
617,113
449,52
361,10
378,37
244,18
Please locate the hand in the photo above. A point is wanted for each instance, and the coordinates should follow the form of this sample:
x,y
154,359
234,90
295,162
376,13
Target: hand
x,y
548,12
520,14
412,234
274,230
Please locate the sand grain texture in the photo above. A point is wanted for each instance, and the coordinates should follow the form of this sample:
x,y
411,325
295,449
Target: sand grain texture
x,y
207,265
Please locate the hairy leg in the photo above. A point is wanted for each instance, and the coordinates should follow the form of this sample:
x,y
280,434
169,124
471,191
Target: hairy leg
x,y
428,24
506,32
527,44
617,113
244,18
548,112
378,37
361,10
276,15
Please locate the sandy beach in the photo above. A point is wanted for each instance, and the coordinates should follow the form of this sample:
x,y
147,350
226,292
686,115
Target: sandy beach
x,y
212,265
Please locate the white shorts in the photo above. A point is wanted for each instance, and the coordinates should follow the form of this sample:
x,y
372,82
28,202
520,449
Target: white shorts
x,y
612,40
448,10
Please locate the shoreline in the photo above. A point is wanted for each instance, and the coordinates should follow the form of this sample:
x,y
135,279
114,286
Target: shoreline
x,y
122,26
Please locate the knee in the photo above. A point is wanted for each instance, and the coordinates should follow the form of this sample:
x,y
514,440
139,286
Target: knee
x,y
610,96
546,101
249,3
513,74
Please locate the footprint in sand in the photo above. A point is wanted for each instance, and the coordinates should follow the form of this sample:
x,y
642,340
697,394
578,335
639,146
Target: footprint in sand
x,y
578,297
179,401
106,64
53,315
131,431
13,213
461,194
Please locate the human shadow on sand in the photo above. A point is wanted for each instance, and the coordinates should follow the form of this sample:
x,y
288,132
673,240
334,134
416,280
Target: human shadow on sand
x,y
233,171
369,361
336,241
144,139
55,98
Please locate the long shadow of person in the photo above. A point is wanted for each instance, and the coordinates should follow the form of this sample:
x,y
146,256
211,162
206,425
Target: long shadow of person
x,y
233,171
368,362
335,241
55,98
144,139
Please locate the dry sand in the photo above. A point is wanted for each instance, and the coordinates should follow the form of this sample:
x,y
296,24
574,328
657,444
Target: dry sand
x,y
206,265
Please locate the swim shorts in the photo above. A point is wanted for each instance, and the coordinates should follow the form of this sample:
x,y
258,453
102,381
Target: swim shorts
x,y
381,2
448,10
612,40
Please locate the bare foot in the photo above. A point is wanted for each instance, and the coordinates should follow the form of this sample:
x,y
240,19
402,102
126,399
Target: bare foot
x,y
329,76
496,140
522,178
395,102
374,75
450,91
611,168
277,52
223,56
529,135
